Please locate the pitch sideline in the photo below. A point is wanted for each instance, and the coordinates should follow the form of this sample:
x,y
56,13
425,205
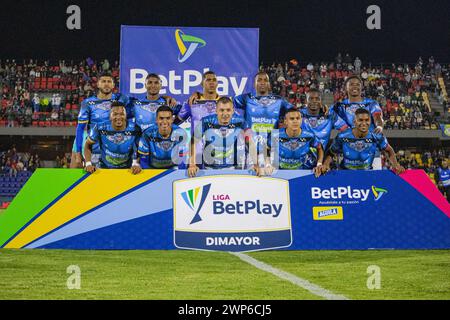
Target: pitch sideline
x,y
303,283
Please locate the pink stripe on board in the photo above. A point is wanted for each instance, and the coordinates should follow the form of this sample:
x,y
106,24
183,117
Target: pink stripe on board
x,y
422,183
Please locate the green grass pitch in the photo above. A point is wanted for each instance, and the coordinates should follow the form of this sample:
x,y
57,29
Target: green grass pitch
x,y
42,274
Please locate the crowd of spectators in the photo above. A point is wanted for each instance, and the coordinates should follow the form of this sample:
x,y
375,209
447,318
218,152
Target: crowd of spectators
x,y
401,89
45,94
12,162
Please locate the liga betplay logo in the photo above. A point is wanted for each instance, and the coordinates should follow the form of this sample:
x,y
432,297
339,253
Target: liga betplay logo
x,y
378,192
190,198
182,39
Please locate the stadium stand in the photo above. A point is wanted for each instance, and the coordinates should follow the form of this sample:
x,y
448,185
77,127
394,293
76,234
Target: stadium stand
x,y
45,95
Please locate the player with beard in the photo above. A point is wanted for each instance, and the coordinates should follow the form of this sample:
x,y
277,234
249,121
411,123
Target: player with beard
x,y
94,110
358,145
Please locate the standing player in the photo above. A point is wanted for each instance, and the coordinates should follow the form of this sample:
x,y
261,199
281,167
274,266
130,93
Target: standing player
x,y
117,140
293,146
198,107
164,145
318,121
223,139
347,108
263,111
443,178
359,146
144,110
94,110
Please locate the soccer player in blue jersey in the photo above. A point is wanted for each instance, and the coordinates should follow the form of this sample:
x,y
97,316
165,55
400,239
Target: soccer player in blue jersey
x,y
144,111
293,146
346,109
163,145
318,121
443,178
94,110
223,138
262,110
117,140
358,145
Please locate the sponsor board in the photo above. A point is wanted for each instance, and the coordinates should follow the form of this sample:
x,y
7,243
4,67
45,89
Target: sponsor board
x,y
180,56
328,213
231,213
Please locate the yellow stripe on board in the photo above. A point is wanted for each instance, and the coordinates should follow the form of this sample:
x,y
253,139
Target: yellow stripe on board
x,y
196,194
100,187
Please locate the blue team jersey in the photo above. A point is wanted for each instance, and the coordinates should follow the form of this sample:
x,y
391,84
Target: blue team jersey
x,y
163,153
144,111
346,110
94,111
261,113
322,124
224,145
295,153
358,153
444,176
117,147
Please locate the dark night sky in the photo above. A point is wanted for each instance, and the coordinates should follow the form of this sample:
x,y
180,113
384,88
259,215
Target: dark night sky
x,y
307,30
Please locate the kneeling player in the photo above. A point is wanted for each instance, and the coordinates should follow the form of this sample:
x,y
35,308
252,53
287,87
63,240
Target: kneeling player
x,y
117,139
223,140
294,147
164,145
359,146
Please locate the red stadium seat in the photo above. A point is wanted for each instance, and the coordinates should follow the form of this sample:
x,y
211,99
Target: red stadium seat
x,y
61,123
48,123
2,123
34,123
41,124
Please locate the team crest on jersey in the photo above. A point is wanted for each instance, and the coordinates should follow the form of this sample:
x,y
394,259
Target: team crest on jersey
x,y
267,101
106,105
315,122
293,144
151,107
165,145
210,106
355,106
118,138
358,145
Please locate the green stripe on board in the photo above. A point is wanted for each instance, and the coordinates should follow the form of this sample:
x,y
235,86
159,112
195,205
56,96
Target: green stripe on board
x,y
44,186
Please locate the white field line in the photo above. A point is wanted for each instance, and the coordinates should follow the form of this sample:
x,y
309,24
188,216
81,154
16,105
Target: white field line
x,y
303,283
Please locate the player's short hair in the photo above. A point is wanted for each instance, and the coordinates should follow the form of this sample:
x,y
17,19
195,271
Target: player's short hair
x,y
152,75
352,77
313,90
105,74
224,100
164,108
292,110
262,72
362,111
208,73
116,104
